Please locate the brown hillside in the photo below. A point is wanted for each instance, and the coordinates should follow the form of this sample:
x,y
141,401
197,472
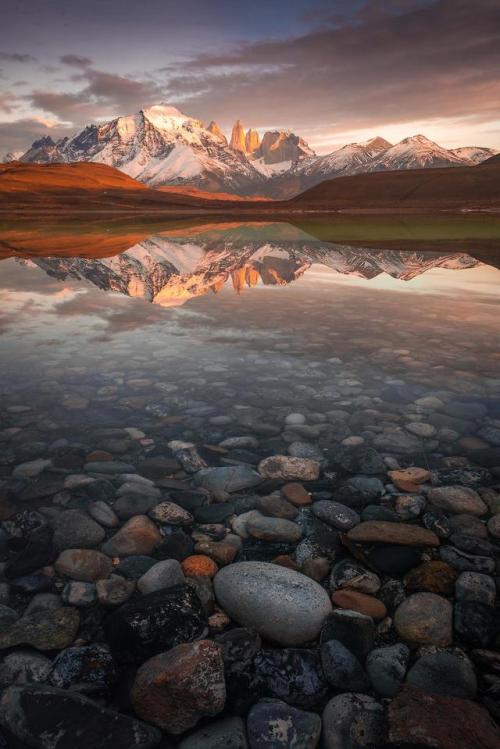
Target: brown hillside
x,y
417,189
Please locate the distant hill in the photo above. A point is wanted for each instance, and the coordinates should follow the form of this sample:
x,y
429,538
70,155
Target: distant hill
x,y
85,187
459,188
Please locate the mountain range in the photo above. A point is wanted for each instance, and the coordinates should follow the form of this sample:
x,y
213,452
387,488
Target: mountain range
x,y
161,146
169,270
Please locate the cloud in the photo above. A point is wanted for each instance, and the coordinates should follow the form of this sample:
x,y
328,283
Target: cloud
x,y
75,61
18,135
16,57
439,59
103,95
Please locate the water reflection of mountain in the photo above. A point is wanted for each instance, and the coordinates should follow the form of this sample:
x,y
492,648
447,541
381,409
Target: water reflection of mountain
x,y
169,270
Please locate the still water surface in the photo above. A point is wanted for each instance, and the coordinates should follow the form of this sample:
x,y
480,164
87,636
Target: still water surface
x,y
196,330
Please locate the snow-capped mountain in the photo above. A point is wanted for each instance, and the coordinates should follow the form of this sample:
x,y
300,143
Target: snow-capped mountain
x,y
416,152
162,146
170,271
474,154
12,156
159,146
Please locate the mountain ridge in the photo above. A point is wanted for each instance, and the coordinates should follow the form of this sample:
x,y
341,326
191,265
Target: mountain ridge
x,y
162,146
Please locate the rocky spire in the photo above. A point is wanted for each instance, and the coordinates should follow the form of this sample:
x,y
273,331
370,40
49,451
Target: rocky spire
x,y
252,140
215,130
238,137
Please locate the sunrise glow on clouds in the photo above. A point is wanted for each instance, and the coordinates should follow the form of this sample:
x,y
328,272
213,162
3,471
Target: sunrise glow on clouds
x,y
334,72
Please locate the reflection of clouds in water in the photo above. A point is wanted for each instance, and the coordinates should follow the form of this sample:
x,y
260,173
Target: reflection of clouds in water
x,y
483,279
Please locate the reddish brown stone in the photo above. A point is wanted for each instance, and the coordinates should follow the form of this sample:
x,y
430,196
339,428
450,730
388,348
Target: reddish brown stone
x,y
356,601
285,561
409,479
296,494
219,551
382,531
174,690
434,577
99,456
423,720
199,565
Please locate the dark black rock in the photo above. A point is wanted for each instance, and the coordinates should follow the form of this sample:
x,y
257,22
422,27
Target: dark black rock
x,y
292,675
360,459
341,668
100,489
360,491
49,718
437,521
177,545
37,553
393,559
214,513
86,669
475,623
378,512
263,551
302,728
239,648
474,545
472,477
188,500
69,456
22,524
31,584
155,622
132,568
355,631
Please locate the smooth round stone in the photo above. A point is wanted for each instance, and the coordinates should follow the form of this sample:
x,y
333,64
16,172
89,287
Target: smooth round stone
x,y
494,526
353,600
431,577
74,529
272,724
447,674
386,668
425,619
457,500
272,529
85,565
280,604
421,429
170,513
295,418
103,514
161,575
474,586
353,721
7,615
288,468
277,507
335,514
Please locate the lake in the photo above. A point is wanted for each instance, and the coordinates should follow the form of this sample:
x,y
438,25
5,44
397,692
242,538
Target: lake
x,y
189,395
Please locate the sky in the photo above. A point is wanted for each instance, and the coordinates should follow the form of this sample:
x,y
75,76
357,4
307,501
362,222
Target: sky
x,y
333,71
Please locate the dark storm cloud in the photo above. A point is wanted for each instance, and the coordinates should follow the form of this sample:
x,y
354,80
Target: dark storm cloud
x,y
439,60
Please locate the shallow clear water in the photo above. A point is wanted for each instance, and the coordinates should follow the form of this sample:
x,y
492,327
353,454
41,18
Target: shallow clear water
x,y
198,331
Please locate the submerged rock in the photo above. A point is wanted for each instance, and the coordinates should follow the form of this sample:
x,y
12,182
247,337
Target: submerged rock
x,y
281,604
49,718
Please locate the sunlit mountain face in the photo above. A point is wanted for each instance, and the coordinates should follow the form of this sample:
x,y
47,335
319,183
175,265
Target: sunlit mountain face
x,y
171,267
